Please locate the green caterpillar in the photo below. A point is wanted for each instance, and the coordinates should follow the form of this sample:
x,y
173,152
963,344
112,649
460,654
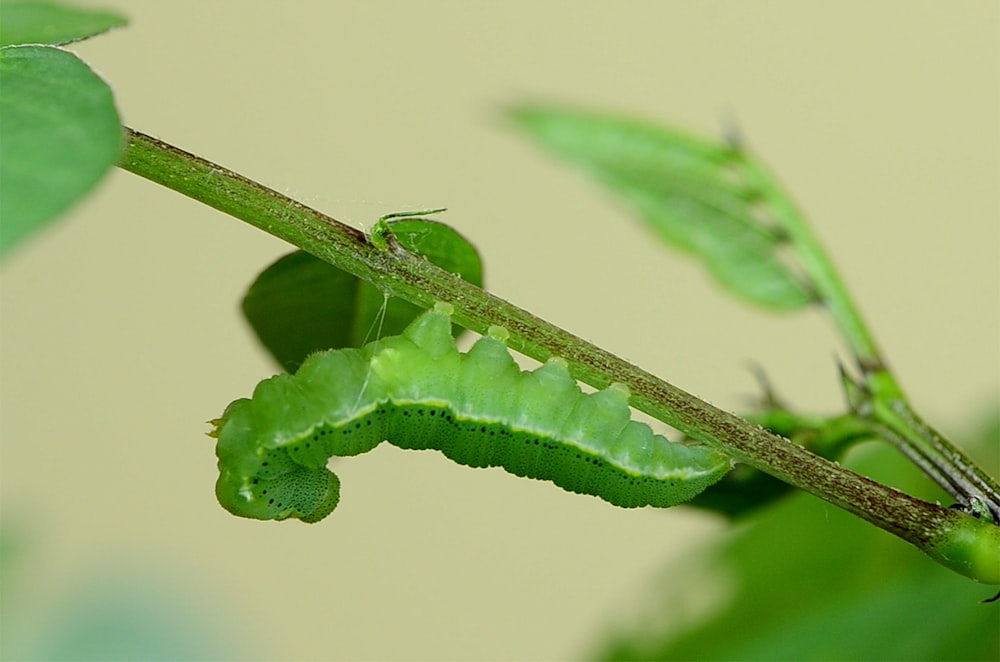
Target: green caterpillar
x,y
417,391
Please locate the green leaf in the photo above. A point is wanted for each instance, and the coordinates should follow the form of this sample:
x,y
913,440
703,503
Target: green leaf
x,y
301,304
686,189
809,582
46,23
59,134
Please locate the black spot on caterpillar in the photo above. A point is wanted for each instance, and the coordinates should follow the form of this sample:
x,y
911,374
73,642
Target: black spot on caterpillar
x,y
417,391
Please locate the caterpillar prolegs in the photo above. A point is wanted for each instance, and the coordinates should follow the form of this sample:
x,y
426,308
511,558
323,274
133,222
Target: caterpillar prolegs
x,y
417,391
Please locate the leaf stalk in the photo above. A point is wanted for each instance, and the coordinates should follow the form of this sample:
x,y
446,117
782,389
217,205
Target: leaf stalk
x,y
403,274
882,401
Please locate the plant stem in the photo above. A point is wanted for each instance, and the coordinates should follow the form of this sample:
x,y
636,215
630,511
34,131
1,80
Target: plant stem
x,y
885,404
415,279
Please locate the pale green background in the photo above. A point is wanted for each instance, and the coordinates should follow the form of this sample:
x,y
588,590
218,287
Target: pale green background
x,y
120,332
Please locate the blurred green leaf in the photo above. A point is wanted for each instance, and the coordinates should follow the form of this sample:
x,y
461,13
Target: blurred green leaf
x,y
686,190
127,612
111,618
59,134
12,555
47,23
807,581
301,304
